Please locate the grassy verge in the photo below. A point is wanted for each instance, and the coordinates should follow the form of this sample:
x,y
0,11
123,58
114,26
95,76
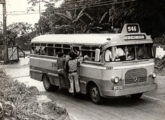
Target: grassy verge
x,y
19,102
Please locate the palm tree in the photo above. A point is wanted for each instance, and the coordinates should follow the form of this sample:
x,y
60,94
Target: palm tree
x,y
74,20
96,23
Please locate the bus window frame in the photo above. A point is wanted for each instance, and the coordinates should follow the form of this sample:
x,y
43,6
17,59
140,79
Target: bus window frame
x,y
144,45
63,47
66,48
92,56
135,49
47,50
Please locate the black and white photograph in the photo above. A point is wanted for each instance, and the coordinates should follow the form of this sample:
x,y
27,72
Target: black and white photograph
x,y
82,59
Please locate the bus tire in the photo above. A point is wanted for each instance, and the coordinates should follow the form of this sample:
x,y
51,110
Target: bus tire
x,y
46,83
136,96
94,94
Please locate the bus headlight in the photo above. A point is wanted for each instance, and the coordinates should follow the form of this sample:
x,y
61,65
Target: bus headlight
x,y
116,80
154,75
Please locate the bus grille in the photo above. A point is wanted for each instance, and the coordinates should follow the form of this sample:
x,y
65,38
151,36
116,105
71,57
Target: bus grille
x,y
135,76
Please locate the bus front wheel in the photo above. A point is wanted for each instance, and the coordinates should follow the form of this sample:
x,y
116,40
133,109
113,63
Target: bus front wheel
x,y
95,94
136,96
46,83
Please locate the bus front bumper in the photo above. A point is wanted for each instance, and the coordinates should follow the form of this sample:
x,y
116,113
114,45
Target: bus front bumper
x,y
129,90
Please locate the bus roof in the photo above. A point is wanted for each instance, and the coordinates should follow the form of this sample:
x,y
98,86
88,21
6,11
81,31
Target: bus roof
x,y
93,39
130,34
86,39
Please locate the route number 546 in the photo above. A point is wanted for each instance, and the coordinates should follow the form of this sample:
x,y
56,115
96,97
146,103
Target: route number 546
x,y
132,29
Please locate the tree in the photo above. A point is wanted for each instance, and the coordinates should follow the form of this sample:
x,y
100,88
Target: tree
x,y
16,30
73,19
151,16
35,2
104,15
20,28
49,20
53,21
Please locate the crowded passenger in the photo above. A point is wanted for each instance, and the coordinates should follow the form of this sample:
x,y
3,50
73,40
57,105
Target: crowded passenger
x,y
72,69
108,55
61,71
120,54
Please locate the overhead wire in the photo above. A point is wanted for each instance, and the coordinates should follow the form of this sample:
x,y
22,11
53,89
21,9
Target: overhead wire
x,y
96,4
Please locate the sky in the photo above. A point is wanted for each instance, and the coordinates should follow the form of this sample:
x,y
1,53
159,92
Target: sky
x,y
17,12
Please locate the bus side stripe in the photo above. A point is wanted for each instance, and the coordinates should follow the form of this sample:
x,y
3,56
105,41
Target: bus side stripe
x,y
32,70
92,66
44,59
44,70
52,74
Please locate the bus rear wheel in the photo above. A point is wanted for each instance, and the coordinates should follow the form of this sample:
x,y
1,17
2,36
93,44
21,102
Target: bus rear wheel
x,y
95,94
136,96
46,83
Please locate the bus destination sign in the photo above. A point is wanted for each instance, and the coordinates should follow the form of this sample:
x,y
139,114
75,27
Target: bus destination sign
x,y
132,28
135,37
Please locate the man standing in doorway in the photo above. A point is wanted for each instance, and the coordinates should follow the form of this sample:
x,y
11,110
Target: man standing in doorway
x,y
72,68
61,72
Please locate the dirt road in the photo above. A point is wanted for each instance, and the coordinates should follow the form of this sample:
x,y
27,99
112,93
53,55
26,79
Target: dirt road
x,y
150,107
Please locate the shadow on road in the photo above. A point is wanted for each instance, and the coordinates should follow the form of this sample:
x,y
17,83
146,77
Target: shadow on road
x,y
124,101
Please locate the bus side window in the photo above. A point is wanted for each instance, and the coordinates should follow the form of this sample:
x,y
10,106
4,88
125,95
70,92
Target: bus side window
x,y
58,49
37,50
42,51
95,54
92,55
89,53
85,51
66,49
50,51
86,55
33,50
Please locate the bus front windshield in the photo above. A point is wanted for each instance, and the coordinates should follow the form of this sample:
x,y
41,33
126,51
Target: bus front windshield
x,y
128,52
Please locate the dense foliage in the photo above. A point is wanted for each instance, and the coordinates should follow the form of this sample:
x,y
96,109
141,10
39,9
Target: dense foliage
x,y
81,16
16,30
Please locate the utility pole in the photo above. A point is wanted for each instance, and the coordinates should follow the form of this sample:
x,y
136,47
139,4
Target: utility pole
x,y
3,2
40,31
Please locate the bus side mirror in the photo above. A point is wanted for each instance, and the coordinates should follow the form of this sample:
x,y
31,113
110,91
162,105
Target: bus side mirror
x,y
97,55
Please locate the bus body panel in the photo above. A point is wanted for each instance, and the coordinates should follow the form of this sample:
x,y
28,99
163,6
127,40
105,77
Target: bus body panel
x,y
99,75
46,66
120,69
130,90
102,78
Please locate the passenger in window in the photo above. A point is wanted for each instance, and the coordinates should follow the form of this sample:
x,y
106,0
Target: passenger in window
x,y
72,68
120,54
130,53
37,50
60,69
140,52
108,55
86,57
33,50
42,51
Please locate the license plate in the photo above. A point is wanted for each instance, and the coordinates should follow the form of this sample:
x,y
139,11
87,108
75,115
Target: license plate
x,y
118,87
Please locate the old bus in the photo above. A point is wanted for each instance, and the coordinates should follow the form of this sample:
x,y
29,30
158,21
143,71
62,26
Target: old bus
x,y
129,71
